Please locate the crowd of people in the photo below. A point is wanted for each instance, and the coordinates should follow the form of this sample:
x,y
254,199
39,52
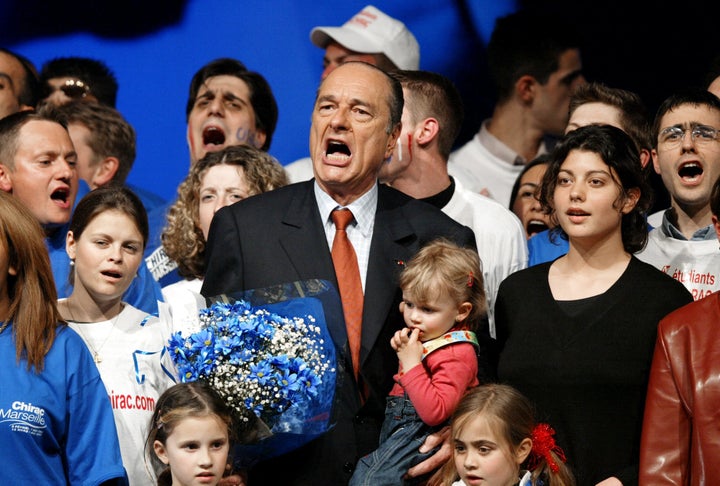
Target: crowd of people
x,y
517,310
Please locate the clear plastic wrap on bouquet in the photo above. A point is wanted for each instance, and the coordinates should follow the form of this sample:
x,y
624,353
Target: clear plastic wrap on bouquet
x,y
269,354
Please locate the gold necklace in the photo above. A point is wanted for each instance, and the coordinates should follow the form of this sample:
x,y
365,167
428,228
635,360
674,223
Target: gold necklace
x,y
95,351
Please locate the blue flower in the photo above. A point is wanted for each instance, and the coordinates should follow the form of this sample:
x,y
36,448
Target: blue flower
x,y
225,345
261,371
203,338
270,364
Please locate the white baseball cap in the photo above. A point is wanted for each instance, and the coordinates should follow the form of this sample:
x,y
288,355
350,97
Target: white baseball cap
x,y
371,31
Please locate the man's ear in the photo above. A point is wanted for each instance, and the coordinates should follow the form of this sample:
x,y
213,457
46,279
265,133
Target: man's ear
x,y
392,140
525,88
656,164
427,131
104,172
716,224
259,138
5,178
645,157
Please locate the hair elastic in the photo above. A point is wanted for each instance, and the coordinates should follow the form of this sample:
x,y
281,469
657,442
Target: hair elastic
x,y
470,280
543,443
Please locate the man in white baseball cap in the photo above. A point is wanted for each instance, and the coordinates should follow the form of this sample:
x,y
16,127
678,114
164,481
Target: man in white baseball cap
x,y
370,36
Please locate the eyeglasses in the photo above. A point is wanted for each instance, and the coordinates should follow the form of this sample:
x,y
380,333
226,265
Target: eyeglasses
x,y
73,88
700,134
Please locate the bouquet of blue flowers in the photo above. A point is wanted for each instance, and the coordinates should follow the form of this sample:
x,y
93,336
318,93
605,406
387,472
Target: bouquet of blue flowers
x,y
273,364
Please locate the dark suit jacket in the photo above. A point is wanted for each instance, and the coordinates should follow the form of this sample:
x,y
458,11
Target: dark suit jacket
x,y
278,237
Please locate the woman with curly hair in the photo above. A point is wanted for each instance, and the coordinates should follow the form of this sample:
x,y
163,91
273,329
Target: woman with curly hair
x,y
576,334
217,180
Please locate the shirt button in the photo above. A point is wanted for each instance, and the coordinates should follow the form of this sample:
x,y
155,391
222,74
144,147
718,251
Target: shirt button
x,y
349,467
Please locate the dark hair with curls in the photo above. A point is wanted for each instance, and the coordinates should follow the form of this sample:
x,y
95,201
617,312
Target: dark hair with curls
x,y
179,402
619,152
182,238
715,199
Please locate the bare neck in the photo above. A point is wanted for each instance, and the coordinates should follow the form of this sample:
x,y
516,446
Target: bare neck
x,y
511,124
690,219
588,269
426,176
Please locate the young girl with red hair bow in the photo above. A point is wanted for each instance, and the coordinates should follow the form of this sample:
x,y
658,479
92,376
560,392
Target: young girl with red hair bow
x,y
494,435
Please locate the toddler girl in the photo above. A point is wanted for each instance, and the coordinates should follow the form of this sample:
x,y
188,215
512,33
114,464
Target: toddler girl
x,y
443,302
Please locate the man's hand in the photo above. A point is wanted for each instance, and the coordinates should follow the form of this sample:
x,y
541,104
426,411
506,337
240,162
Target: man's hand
x,y
433,462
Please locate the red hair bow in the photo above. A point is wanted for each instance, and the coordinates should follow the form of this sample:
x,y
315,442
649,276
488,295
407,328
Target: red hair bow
x,y
543,442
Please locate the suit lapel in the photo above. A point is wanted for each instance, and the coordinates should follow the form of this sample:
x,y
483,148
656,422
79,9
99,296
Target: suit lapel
x,y
303,237
305,244
391,246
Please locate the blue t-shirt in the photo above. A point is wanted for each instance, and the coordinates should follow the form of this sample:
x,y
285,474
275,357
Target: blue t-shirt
x,y
542,249
149,199
56,426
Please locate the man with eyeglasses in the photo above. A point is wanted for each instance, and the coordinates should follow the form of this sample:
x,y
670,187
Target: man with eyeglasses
x,y
687,157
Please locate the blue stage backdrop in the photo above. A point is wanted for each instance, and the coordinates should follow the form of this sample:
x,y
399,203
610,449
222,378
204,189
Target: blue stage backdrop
x,y
154,47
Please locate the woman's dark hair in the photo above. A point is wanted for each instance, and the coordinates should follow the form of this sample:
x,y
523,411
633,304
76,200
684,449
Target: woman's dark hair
x,y
620,153
715,199
106,198
539,160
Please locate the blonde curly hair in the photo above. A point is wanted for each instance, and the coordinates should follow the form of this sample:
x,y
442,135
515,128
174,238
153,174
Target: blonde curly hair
x,y
182,238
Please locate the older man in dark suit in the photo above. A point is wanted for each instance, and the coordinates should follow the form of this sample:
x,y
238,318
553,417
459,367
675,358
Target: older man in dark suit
x,y
286,235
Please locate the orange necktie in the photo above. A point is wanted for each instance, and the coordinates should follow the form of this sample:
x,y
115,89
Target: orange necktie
x,y
348,277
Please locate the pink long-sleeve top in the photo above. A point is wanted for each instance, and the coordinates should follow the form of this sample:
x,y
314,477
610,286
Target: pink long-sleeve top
x,y
437,384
